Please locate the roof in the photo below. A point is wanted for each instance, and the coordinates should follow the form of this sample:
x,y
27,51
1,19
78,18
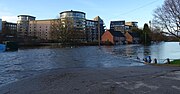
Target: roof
x,y
116,33
134,34
73,12
46,20
27,16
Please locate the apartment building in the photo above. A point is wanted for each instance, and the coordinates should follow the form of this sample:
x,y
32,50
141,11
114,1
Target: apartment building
x,y
91,30
27,26
40,29
131,25
117,26
9,28
23,25
101,24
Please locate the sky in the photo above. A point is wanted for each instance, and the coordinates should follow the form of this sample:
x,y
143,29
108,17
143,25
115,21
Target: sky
x,y
115,10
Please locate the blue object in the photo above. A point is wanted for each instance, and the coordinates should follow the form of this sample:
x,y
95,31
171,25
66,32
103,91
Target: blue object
x,y
2,47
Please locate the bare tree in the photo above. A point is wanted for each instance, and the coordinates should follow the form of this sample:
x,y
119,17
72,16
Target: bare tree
x,y
64,31
168,17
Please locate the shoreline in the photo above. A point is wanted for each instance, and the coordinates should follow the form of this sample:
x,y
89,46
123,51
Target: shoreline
x,y
125,80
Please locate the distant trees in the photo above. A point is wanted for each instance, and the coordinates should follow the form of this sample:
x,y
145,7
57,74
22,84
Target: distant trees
x,y
65,32
167,17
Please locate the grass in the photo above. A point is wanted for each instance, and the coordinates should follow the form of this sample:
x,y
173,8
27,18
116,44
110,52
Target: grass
x,y
175,62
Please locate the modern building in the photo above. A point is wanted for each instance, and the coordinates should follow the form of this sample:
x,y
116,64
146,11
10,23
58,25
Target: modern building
x,y
131,25
0,25
113,37
9,31
86,30
101,25
9,28
75,20
23,25
91,30
40,29
117,26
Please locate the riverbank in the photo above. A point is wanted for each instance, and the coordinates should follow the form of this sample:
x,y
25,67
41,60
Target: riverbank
x,y
122,80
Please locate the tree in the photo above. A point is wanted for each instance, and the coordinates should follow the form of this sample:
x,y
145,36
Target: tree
x,y
168,17
64,31
145,35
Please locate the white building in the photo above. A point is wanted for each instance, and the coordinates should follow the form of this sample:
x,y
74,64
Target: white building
x,y
23,24
0,25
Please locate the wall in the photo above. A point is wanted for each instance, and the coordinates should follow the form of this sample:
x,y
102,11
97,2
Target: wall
x,y
129,38
40,29
107,36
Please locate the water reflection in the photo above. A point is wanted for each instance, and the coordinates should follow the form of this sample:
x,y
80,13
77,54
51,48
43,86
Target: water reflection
x,y
160,51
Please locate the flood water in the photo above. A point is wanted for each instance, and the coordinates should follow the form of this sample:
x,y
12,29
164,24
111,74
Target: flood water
x,y
28,62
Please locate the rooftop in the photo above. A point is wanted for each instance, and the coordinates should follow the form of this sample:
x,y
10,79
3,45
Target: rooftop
x,y
72,11
26,16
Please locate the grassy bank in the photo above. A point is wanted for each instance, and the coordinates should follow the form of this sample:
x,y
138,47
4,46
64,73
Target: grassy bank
x,y
175,63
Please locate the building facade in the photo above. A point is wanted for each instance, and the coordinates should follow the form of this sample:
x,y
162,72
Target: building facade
x,y
117,26
86,30
77,18
23,24
101,25
132,38
9,28
75,21
113,37
91,30
131,25
9,31
40,29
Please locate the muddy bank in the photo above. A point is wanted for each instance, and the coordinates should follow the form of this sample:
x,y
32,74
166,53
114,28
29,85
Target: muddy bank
x,y
121,80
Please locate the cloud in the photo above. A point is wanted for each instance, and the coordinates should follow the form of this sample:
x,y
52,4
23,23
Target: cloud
x,y
6,14
10,18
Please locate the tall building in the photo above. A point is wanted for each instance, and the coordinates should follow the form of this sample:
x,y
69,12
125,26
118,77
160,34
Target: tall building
x,y
86,30
77,18
40,29
91,30
0,25
117,26
101,24
23,24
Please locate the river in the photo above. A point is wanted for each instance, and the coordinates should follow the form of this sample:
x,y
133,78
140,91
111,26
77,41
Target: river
x,y
28,62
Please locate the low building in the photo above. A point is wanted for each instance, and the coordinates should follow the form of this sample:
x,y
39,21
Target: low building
x,y
113,37
40,29
132,38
